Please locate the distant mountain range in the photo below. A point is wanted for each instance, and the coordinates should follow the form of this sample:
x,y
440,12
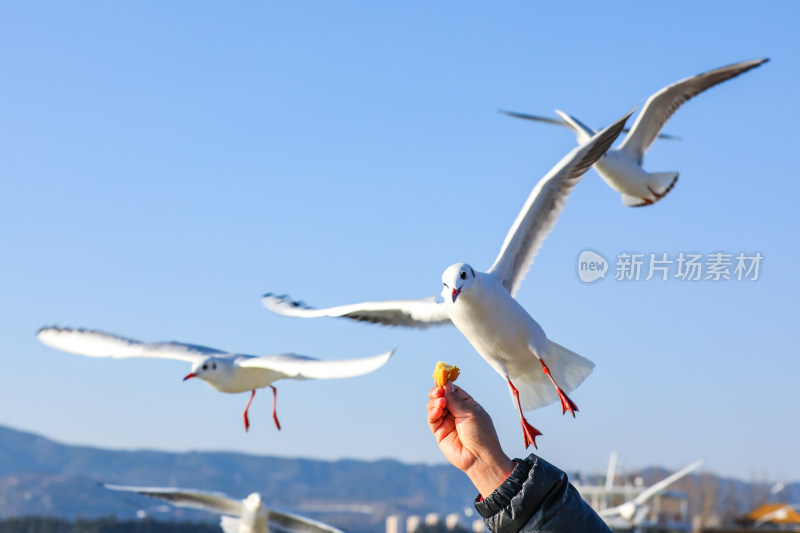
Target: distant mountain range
x,y
42,477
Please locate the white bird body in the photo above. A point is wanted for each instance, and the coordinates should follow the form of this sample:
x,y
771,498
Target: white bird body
x,y
504,334
627,177
621,167
249,515
225,372
482,305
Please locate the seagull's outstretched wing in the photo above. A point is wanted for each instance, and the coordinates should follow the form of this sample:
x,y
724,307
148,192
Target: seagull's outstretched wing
x,y
544,204
302,367
664,483
628,509
280,522
207,501
421,313
661,105
100,344
566,124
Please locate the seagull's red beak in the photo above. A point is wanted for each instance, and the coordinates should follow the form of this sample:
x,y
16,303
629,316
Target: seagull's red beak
x,y
456,292
189,376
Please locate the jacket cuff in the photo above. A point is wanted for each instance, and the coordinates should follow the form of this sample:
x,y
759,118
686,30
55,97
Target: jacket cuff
x,y
502,495
529,489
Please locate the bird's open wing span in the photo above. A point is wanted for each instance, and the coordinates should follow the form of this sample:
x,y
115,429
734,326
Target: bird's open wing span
x,y
302,367
208,501
289,523
543,206
421,313
661,105
100,344
566,124
649,492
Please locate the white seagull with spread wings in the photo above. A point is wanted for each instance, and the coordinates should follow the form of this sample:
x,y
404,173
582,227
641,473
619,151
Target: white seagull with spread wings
x,y
239,516
225,372
633,511
621,167
482,304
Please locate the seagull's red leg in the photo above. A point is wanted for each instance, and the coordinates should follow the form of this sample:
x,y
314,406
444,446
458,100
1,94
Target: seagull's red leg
x,y
566,403
247,420
274,404
528,430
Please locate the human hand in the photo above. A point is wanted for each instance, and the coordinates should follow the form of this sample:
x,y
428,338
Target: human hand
x,y
467,438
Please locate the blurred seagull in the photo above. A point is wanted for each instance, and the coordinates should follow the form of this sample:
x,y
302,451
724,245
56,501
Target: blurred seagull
x,y
483,307
225,372
634,510
621,167
239,516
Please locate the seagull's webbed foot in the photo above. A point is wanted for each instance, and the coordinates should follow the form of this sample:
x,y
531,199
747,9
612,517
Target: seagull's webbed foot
x,y
566,403
274,405
246,419
528,431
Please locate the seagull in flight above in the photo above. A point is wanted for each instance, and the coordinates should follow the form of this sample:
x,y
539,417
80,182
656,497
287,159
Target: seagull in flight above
x,y
621,167
482,304
225,372
238,516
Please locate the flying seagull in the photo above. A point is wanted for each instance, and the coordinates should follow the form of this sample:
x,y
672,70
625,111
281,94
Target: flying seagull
x,y
225,372
238,516
482,304
634,510
621,167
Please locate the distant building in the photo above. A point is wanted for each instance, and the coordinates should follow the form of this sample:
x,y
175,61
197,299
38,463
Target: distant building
x,y
452,521
393,524
412,523
432,519
778,515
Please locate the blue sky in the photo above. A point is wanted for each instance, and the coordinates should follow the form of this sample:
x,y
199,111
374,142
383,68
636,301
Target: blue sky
x,y
166,164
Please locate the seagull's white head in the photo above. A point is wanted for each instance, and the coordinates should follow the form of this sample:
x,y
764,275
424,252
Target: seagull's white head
x,y
205,369
457,279
253,502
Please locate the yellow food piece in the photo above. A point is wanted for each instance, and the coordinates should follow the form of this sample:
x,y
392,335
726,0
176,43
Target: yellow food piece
x,y
444,373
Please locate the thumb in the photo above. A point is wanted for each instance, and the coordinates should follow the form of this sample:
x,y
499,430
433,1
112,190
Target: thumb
x,y
459,403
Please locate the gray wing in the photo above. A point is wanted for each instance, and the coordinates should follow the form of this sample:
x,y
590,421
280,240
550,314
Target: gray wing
x,y
100,344
566,124
207,501
544,204
280,522
661,105
302,367
421,313
651,491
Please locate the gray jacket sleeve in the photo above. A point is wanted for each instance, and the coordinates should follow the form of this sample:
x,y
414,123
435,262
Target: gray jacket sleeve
x,y
538,497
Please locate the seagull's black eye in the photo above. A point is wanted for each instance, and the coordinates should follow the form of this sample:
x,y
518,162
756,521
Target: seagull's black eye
x,y
445,284
463,275
205,367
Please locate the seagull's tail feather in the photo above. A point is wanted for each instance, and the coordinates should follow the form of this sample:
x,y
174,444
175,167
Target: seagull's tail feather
x,y
658,183
662,182
567,368
230,524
